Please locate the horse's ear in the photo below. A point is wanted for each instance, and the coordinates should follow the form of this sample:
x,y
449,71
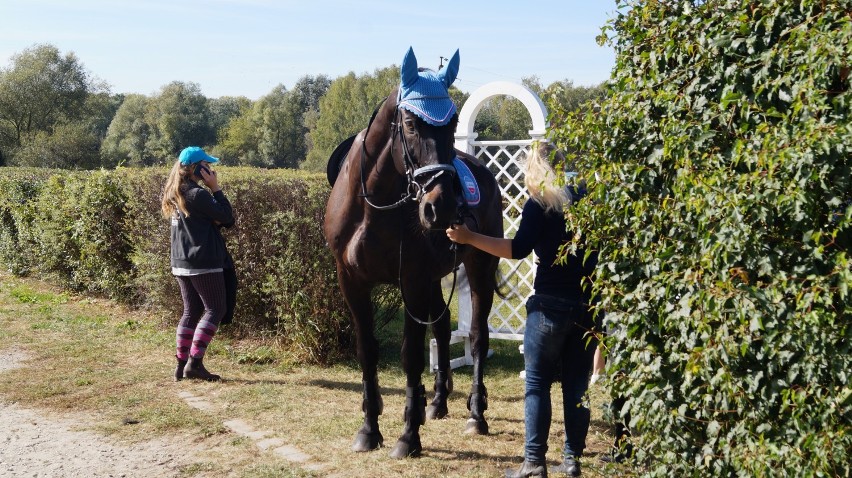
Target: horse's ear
x,y
408,71
448,74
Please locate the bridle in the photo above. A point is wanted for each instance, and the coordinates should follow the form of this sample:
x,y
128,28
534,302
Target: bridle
x,y
413,192
415,188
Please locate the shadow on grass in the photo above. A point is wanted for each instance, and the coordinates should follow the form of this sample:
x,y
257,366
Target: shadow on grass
x,y
505,358
246,381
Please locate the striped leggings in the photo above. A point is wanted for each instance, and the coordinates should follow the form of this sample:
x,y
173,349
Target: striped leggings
x,y
204,306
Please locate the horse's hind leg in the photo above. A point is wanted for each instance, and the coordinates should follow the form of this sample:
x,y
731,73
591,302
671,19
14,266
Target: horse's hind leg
x,y
482,286
444,375
358,299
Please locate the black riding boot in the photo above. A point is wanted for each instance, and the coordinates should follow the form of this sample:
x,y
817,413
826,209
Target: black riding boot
x,y
179,369
579,429
527,469
195,369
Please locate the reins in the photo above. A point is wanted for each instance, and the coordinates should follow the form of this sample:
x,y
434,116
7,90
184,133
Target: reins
x,y
454,248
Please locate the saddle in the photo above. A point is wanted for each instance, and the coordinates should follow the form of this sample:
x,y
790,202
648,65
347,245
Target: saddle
x,y
335,161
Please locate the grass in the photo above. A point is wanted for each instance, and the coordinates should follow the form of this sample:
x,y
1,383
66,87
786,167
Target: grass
x,y
93,356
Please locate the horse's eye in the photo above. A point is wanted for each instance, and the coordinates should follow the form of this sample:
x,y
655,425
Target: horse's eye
x,y
410,126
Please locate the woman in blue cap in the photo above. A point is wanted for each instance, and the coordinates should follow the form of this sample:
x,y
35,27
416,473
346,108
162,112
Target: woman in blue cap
x,y
199,257
558,315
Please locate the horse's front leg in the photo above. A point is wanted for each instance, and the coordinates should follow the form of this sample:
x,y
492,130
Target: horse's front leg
x,y
439,314
413,363
357,298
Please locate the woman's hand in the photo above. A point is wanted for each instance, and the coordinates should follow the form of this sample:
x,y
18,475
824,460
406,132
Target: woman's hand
x,y
496,246
459,233
210,179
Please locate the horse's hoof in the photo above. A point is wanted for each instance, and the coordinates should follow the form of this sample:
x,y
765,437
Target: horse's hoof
x,y
437,412
406,450
476,427
367,442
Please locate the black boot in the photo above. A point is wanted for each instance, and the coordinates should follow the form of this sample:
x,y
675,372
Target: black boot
x,y
577,430
528,468
570,466
195,369
179,370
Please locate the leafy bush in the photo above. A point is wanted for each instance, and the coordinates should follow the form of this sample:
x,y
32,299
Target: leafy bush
x,y
20,188
102,231
722,211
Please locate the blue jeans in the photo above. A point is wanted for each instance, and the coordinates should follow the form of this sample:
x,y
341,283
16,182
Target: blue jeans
x,y
555,348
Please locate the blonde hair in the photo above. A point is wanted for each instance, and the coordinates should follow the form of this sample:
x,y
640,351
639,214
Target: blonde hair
x,y
173,199
540,178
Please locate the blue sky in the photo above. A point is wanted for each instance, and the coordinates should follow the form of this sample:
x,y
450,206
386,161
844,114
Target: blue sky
x,y
247,47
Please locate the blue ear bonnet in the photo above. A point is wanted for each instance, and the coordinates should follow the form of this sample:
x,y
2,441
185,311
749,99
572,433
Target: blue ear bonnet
x,y
426,93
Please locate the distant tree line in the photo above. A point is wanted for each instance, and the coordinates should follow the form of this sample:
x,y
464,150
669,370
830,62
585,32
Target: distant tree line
x,y
56,114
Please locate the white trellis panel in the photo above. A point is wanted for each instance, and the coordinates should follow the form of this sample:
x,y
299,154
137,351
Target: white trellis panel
x,y
508,316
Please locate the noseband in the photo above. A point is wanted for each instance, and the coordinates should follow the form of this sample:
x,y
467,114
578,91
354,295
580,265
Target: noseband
x,y
415,187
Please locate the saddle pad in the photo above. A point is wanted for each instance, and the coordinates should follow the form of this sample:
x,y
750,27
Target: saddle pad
x,y
470,189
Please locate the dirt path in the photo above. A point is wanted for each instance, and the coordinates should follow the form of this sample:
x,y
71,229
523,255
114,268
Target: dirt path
x,y
39,443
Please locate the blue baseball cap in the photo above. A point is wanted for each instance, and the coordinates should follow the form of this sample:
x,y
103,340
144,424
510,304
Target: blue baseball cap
x,y
194,154
426,93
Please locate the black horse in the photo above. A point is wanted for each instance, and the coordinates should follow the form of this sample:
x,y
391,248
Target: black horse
x,y
396,192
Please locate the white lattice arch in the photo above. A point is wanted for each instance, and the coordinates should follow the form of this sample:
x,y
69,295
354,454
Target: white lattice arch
x,y
507,318
465,135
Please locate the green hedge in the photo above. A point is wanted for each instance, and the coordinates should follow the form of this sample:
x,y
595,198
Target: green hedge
x,y
721,203
102,232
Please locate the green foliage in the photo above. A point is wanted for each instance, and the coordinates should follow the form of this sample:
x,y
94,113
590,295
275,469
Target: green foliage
x,y
21,187
564,96
103,232
177,117
68,145
345,110
223,110
272,132
41,89
125,138
506,118
721,205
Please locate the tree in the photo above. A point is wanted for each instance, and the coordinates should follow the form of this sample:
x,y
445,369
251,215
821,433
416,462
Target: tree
x,y
223,110
272,133
345,110
41,89
564,96
238,139
70,145
278,116
177,117
128,134
98,111
722,214
506,118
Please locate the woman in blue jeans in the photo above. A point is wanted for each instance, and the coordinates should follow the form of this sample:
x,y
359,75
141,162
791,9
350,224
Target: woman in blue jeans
x,y
558,315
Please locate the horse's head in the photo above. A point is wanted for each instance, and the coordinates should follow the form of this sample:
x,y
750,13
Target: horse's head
x,y
423,135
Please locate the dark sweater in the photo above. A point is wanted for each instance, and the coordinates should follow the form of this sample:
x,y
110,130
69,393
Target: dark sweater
x,y
544,233
196,240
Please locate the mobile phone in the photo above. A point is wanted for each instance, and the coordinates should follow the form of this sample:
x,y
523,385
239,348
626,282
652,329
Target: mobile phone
x,y
198,168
